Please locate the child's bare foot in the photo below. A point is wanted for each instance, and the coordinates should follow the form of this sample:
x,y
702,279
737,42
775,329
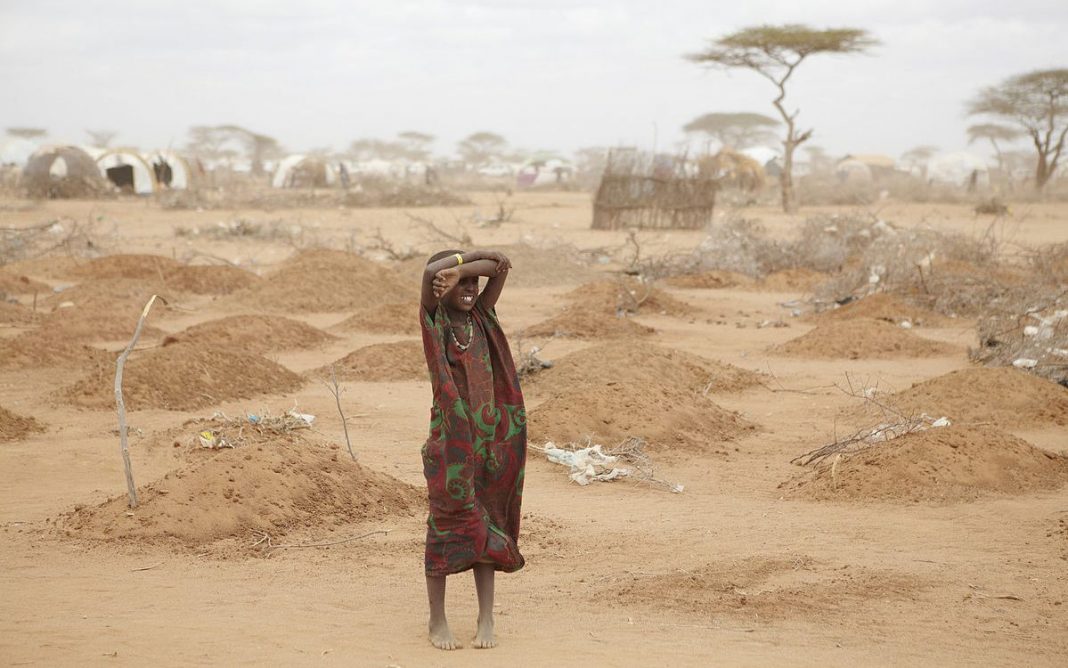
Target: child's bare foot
x,y
441,637
484,638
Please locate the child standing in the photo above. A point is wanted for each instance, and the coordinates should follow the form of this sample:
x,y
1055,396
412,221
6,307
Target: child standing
x,y
474,458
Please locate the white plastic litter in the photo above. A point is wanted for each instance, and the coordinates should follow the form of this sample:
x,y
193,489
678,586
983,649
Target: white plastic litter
x,y
941,422
905,324
587,465
308,419
1025,363
1030,330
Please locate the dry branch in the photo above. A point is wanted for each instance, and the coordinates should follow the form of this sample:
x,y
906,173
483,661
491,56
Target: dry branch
x,y
121,405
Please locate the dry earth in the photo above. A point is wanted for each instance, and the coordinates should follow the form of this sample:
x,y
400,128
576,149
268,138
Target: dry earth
x,y
757,562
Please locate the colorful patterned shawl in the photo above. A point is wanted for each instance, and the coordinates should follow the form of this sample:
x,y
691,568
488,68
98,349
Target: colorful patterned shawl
x,y
475,455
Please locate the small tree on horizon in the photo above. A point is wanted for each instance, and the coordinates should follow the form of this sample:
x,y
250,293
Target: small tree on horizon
x,y
1036,102
735,130
918,156
27,133
416,144
478,147
775,52
101,138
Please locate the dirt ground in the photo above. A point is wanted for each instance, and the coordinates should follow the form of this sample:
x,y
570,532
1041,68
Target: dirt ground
x,y
735,570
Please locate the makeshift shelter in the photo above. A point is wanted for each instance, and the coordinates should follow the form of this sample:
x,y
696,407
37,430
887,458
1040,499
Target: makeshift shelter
x,y
544,172
733,170
301,171
962,169
171,170
878,166
653,192
127,170
59,172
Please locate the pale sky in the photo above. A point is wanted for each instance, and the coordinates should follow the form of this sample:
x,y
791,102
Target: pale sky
x,y
545,74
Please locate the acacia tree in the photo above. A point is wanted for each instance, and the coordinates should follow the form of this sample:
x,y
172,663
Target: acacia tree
x,y
481,146
774,52
734,129
213,141
918,156
416,144
1036,102
994,133
27,133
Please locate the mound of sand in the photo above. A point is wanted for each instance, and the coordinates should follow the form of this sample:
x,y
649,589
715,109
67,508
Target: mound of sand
x,y
637,362
395,318
14,427
576,322
765,587
325,280
379,362
532,267
791,280
948,464
883,306
862,338
602,309
667,418
209,280
15,314
106,309
1004,396
277,486
713,280
126,266
43,348
183,377
252,333
18,284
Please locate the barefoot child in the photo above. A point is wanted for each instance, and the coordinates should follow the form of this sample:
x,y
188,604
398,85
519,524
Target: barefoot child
x,y
474,457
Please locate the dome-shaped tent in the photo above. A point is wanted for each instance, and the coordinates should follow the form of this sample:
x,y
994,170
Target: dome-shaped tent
x,y
171,170
300,171
62,172
127,170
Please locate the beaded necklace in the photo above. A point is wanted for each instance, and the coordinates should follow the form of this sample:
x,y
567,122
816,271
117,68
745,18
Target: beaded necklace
x,y
470,331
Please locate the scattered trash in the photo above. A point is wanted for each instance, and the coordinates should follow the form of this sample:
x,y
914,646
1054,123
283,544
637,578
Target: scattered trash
x,y
1024,363
587,465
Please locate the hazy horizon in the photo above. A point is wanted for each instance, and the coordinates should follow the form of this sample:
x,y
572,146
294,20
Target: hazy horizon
x,y
551,76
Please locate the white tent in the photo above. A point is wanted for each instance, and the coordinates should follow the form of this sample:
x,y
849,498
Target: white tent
x,y
959,169
302,171
170,169
125,167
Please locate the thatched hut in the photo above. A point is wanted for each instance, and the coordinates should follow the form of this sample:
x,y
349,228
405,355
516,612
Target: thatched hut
x,y
733,170
59,172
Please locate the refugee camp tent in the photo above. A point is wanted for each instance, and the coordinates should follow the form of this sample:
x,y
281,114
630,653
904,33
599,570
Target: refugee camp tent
x,y
959,168
879,166
62,172
301,171
171,169
127,170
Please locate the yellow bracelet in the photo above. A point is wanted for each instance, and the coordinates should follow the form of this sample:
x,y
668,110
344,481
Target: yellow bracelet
x,y
459,259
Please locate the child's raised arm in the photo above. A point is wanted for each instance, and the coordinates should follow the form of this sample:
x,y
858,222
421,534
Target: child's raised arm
x,y
442,275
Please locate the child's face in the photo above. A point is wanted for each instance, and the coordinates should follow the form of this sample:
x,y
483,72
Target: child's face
x,y
462,297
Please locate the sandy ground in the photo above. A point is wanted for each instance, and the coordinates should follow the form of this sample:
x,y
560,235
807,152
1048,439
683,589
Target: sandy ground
x,y
729,572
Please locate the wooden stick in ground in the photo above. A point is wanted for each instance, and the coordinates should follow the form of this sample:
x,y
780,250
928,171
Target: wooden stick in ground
x,y
123,443
336,391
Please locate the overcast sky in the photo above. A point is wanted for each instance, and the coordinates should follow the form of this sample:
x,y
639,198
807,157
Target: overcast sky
x,y
545,74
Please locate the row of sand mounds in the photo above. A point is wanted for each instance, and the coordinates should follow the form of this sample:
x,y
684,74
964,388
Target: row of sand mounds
x,y
378,362
322,281
532,266
886,307
862,338
105,309
125,266
768,587
183,377
787,280
1003,396
209,279
710,280
276,485
942,465
18,284
256,334
14,427
394,318
612,392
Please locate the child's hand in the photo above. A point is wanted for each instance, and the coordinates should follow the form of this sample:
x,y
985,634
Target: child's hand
x,y
503,263
445,280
